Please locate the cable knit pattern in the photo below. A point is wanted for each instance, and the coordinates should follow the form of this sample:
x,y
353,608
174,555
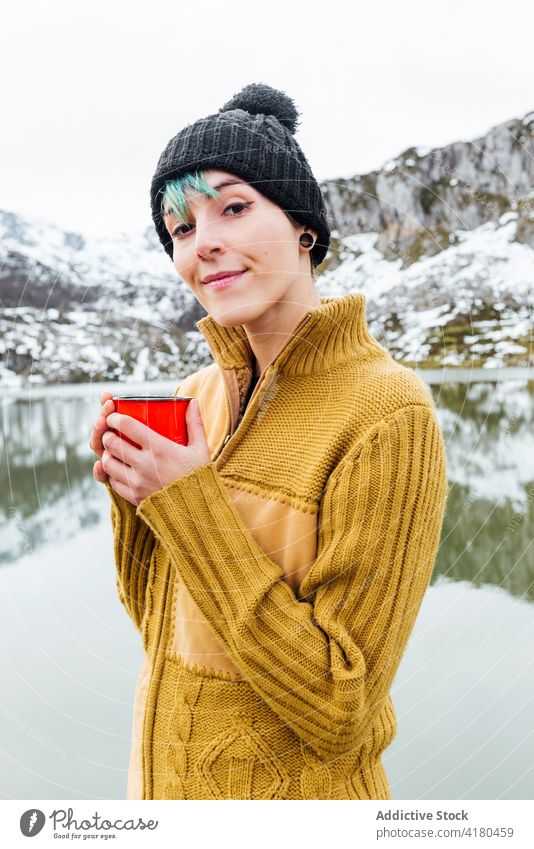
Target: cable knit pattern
x,y
351,437
180,722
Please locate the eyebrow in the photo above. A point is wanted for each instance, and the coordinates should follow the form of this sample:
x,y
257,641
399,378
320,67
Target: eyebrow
x,y
227,183
217,188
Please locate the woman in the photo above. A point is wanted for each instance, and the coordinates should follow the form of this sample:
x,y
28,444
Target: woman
x,y
276,564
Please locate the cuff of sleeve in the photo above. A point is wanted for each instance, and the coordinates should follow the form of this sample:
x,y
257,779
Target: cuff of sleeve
x,y
217,557
124,508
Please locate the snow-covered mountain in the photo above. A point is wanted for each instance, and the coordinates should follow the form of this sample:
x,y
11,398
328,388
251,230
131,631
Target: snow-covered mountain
x,y
440,241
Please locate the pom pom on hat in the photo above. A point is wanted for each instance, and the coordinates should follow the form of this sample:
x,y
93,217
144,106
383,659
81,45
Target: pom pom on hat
x,y
261,99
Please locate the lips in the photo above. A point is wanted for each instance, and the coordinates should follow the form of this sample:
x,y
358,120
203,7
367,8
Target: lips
x,y
224,282
222,274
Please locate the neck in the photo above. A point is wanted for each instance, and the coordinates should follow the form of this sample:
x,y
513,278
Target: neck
x,y
269,333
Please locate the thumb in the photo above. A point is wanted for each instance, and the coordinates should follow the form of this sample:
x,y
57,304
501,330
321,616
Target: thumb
x,y
195,425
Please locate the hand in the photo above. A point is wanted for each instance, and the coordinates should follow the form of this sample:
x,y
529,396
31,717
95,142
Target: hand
x,y
135,473
95,443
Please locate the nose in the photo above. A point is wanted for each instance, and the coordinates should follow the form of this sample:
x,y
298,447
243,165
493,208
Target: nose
x,y
208,238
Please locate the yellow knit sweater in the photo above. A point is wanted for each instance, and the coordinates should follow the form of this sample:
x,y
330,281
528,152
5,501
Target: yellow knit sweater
x,y
276,587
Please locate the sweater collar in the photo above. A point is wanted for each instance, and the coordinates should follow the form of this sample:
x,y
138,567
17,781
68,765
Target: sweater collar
x,y
332,333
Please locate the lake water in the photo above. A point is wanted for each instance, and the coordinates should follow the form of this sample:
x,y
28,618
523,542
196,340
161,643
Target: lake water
x,y
70,655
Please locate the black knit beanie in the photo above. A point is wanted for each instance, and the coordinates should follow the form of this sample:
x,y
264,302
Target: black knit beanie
x,y
251,136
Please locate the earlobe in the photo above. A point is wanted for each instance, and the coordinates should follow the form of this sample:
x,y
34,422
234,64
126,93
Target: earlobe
x,y
306,240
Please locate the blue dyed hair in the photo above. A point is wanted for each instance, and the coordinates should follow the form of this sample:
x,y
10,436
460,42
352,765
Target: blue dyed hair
x,y
174,196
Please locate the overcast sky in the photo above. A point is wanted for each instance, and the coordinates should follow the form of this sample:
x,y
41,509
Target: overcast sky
x,y
93,91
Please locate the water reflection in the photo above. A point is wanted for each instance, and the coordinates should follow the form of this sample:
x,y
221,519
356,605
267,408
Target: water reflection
x,y
48,493
46,482
487,534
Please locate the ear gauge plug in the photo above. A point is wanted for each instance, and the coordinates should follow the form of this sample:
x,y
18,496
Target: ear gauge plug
x,y
306,240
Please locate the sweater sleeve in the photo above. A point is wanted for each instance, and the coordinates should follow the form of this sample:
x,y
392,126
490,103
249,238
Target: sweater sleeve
x,y
325,663
133,546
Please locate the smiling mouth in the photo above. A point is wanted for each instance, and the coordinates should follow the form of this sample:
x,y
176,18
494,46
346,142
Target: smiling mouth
x,y
223,282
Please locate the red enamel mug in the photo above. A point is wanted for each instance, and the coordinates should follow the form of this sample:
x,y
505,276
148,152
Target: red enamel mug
x,y
163,413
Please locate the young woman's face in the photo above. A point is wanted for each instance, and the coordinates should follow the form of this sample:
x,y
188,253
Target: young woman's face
x,y
244,232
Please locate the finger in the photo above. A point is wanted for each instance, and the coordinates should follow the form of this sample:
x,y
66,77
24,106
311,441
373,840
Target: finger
x,y
101,424
122,489
100,427
120,449
95,442
105,396
99,473
115,469
137,431
195,426
108,407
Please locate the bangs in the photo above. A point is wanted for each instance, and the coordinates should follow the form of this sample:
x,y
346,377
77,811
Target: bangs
x,y
175,193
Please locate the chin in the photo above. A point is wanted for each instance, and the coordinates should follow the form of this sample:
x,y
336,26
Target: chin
x,y
232,315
